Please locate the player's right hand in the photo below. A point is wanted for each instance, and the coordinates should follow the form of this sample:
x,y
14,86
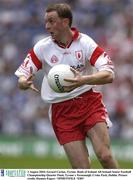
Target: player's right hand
x,y
27,83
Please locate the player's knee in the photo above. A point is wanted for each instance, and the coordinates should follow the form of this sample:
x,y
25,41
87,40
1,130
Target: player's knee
x,y
105,157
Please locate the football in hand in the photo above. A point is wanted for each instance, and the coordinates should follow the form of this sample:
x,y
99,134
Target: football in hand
x,y
56,77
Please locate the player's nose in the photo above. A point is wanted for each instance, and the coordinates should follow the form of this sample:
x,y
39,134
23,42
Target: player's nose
x,y
47,26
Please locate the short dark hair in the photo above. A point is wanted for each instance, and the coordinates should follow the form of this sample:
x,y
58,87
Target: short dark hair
x,y
63,10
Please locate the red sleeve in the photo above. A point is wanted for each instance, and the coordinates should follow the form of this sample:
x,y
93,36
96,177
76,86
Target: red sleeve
x,y
95,55
35,59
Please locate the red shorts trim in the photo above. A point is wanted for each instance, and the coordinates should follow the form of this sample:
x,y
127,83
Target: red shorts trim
x,y
72,119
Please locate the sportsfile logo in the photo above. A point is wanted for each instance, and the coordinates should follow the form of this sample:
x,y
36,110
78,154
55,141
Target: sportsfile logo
x,y
2,172
15,173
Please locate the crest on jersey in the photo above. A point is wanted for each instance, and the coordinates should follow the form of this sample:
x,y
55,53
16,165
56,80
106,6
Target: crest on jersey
x,y
79,55
54,59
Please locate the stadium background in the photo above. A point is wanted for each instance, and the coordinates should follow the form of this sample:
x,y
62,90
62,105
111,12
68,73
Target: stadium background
x,y
26,136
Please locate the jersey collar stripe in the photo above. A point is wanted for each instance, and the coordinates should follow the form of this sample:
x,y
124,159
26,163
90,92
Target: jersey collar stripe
x,y
76,33
75,36
95,55
35,60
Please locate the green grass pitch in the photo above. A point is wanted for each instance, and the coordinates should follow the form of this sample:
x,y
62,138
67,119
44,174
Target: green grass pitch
x,y
30,162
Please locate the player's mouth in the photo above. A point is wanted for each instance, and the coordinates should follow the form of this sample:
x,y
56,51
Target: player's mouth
x,y
52,34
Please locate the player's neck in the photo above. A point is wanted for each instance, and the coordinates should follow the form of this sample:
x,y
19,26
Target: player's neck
x,y
66,38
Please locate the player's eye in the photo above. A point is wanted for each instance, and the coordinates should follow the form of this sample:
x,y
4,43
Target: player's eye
x,y
51,21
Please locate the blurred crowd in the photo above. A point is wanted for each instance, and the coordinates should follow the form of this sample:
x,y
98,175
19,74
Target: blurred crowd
x,y
109,23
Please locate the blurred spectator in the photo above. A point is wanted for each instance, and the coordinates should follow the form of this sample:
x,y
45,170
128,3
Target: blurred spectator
x,y
42,124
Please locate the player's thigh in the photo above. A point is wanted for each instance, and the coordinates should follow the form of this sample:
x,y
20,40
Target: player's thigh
x,y
77,154
99,137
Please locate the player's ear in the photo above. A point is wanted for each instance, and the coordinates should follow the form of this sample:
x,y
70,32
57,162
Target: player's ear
x,y
66,22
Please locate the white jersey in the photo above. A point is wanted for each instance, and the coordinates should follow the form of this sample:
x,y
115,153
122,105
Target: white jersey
x,y
82,54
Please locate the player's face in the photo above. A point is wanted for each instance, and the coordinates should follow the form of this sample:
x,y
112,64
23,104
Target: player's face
x,y
54,25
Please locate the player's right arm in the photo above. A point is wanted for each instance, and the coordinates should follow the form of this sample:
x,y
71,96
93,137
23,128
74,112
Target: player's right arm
x,y
27,83
26,71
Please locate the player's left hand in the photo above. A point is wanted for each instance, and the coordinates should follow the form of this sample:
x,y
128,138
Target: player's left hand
x,y
77,81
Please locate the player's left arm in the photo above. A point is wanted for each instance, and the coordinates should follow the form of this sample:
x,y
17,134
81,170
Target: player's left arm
x,y
104,74
105,71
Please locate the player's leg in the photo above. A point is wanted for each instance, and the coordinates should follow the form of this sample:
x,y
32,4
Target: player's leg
x,y
100,139
77,154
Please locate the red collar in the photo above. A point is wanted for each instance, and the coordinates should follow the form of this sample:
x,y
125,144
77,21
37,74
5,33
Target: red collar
x,y
76,35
